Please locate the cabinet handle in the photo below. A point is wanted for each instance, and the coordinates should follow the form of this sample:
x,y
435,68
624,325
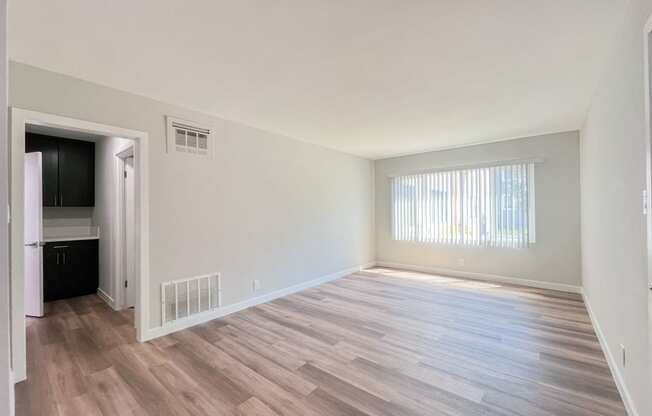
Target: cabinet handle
x,y
55,200
64,257
57,257
60,199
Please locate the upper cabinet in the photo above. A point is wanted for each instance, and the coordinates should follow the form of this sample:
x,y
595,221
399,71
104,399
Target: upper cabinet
x,y
68,170
76,173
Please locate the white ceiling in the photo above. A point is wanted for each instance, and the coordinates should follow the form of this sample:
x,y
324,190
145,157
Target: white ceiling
x,y
375,78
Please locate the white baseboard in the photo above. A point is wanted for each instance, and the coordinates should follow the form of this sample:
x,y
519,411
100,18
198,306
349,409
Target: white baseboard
x,y
229,309
611,360
367,265
483,276
106,298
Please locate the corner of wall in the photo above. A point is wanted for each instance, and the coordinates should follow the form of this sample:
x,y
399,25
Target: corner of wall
x,y
618,376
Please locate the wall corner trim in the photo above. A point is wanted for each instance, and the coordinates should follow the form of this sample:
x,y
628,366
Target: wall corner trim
x,y
200,318
483,276
630,407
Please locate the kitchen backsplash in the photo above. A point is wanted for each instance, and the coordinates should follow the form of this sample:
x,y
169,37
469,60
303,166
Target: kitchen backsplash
x,y
67,216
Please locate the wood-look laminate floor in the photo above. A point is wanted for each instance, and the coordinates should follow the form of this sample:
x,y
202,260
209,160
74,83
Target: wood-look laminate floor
x,y
380,342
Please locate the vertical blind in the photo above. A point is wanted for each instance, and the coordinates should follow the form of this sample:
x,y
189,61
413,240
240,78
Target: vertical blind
x,y
489,206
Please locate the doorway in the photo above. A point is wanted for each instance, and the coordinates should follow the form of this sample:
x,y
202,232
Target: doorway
x,y
21,121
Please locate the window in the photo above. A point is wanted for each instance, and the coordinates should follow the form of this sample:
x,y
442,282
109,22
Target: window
x,y
489,206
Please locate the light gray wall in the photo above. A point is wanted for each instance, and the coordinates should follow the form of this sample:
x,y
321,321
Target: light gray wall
x,y
554,258
266,207
104,213
613,227
6,387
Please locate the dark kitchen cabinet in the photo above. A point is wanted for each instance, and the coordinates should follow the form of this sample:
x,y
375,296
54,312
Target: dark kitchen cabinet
x,y
82,267
51,272
70,268
76,173
68,170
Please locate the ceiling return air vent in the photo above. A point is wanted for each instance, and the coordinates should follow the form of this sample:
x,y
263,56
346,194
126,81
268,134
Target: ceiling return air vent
x,y
188,137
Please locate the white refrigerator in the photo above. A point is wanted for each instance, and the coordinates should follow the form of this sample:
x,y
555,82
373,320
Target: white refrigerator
x,y
33,234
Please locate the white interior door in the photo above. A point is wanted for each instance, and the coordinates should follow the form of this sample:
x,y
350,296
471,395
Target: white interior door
x,y
33,235
130,241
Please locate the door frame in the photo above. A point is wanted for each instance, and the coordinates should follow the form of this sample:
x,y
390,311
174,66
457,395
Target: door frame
x,y
647,52
120,227
647,75
19,119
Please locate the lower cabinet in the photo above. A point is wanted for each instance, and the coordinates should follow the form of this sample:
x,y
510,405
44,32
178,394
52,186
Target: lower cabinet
x,y
70,268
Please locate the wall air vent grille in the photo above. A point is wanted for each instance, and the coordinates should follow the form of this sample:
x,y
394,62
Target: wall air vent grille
x,y
187,137
187,297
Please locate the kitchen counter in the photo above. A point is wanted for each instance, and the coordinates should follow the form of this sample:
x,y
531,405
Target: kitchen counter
x,y
55,234
70,238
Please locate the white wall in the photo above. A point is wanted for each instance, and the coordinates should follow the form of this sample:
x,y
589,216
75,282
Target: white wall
x,y
6,387
104,212
266,207
613,227
67,217
554,258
